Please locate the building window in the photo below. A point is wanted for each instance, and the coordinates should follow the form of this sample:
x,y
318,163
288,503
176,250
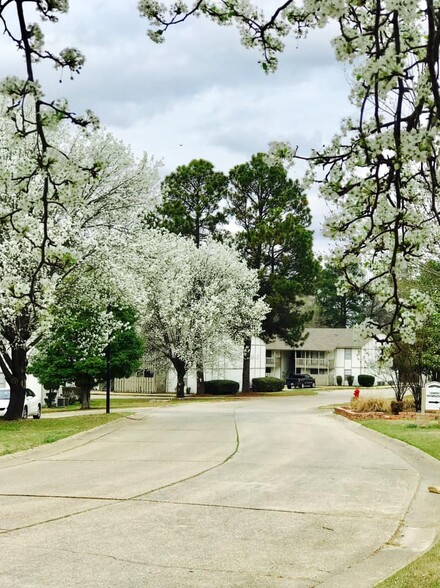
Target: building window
x,y
268,371
145,374
268,352
348,354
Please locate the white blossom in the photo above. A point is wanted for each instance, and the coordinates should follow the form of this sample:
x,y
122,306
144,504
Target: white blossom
x,y
192,301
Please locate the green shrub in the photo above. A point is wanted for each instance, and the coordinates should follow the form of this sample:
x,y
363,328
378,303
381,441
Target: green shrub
x,y
350,380
267,384
50,398
365,380
396,406
339,380
219,387
71,394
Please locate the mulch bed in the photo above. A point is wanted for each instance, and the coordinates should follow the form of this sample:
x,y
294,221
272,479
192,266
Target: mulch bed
x,y
410,416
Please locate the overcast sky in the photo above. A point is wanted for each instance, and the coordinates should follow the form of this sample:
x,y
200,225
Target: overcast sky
x,y
200,94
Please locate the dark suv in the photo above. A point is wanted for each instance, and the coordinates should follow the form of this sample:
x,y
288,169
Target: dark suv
x,y
300,381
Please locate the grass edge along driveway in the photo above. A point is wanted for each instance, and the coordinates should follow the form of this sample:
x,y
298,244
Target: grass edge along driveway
x,y
424,572
27,434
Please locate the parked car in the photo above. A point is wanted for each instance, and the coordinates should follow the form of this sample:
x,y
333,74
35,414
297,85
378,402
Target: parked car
x,y
300,381
32,405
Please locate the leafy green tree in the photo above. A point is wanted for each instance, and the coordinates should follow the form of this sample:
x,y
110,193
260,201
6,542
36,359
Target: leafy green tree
x,y
429,283
63,357
413,363
192,202
335,309
273,215
407,371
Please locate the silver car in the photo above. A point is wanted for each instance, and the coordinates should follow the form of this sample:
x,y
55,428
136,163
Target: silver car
x,y
32,405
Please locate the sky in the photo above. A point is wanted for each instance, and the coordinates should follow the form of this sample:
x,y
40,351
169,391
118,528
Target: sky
x,y
200,94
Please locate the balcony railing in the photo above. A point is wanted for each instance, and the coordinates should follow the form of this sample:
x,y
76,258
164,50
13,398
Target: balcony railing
x,y
270,361
311,362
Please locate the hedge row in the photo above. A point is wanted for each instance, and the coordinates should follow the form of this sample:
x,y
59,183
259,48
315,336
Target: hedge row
x,y
218,387
365,380
267,384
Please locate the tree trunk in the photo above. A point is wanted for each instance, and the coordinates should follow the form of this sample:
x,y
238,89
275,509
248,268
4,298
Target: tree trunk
x,y
246,383
84,384
416,390
85,397
181,370
200,379
17,383
344,311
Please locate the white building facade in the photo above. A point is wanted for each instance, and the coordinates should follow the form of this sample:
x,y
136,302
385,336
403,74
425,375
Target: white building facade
x,y
325,354
228,367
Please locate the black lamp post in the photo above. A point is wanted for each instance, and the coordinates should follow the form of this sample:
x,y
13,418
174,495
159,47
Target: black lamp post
x,y
108,370
108,380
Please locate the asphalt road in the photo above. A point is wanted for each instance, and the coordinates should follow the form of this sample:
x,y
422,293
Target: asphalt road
x,y
262,492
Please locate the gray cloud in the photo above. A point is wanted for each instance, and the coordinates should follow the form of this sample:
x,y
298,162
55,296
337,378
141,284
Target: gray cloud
x,y
199,94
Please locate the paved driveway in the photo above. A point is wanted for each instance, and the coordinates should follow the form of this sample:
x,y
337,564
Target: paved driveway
x,y
264,492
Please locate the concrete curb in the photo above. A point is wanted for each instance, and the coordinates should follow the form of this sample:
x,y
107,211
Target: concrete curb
x,y
419,528
73,441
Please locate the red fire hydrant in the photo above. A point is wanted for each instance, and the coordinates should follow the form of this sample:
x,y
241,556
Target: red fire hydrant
x,y
356,393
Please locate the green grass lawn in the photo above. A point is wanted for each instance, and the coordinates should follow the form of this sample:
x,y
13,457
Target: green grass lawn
x,y
425,436
425,571
95,403
25,434
240,396
284,393
422,573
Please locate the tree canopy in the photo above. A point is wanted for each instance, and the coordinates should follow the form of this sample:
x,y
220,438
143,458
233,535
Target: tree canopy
x,y
193,303
43,242
336,309
273,214
88,336
192,202
380,173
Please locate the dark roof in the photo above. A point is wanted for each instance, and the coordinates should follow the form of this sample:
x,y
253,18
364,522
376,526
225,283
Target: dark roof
x,y
323,340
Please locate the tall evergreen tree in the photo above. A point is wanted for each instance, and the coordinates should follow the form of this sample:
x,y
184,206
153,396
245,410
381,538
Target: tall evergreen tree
x,y
192,202
337,310
274,217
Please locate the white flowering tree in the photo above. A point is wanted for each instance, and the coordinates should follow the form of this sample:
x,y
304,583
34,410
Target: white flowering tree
x,y
49,205
42,240
381,172
192,302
